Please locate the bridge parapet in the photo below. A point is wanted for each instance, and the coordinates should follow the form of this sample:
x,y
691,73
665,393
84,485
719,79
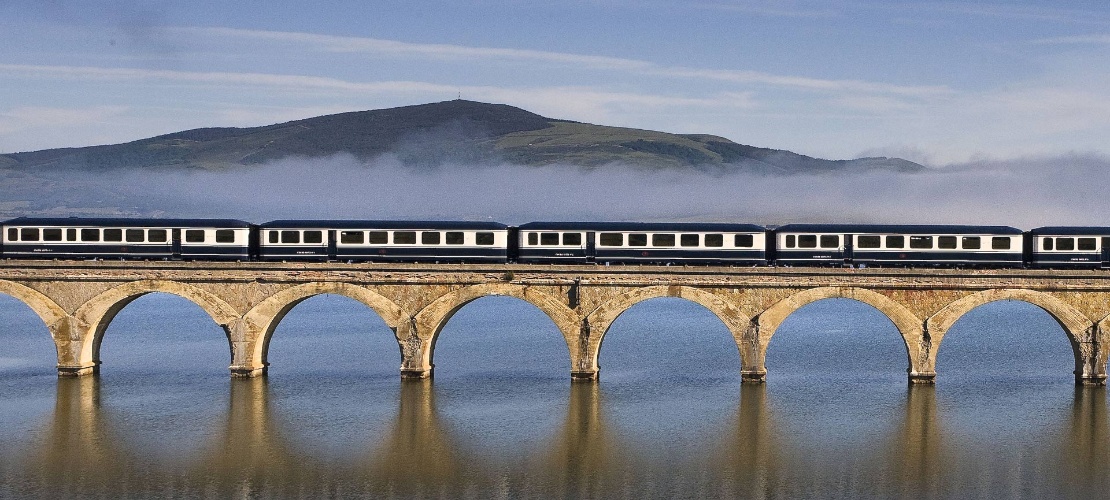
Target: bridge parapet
x,y
77,300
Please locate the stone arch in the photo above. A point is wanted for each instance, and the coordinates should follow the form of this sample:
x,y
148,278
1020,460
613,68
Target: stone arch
x,y
909,326
98,312
429,322
45,307
603,317
52,315
252,344
1080,329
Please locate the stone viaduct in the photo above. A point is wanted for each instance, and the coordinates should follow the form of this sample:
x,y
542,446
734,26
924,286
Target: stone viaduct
x,y
78,299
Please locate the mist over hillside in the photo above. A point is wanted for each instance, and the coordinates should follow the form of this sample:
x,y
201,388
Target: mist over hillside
x,y
495,162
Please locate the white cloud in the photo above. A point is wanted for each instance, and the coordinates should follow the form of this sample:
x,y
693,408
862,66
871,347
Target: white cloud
x,y
28,117
1074,40
635,66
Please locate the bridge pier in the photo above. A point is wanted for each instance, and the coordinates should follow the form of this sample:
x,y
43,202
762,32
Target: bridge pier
x,y
1090,368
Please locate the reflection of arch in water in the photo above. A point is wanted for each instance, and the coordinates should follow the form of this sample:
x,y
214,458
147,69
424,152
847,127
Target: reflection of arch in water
x,y
79,451
99,311
1080,330
918,454
909,325
1085,449
600,320
749,458
250,451
418,454
583,458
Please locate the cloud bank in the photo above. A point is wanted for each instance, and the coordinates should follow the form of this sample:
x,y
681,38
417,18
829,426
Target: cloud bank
x,y
1025,193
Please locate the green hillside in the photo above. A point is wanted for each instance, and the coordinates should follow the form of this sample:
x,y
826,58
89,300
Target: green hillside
x,y
456,131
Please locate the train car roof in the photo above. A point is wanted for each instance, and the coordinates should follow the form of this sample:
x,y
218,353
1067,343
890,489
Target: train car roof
x,y
381,224
897,229
124,222
641,226
1072,230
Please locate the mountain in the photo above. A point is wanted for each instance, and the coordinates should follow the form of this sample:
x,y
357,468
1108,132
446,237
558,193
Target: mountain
x,y
428,134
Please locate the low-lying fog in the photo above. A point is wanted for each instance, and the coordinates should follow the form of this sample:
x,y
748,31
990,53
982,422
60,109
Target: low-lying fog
x,y
1064,190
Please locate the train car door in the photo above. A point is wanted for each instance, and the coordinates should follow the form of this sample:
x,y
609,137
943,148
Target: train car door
x,y
849,249
591,247
175,244
1106,252
333,249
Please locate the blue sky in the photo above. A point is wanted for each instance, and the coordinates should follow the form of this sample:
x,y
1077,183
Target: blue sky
x,y
936,82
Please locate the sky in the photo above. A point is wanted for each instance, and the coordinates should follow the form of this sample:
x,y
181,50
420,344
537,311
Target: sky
x,y
940,83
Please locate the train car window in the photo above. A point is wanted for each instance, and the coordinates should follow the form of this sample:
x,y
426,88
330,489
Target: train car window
x,y
1087,244
113,235
921,242
453,238
13,234
1000,243
135,235
611,239
743,241
865,241
533,239
404,237
574,239
1046,244
971,243
807,241
156,235
377,237
483,238
830,241
290,236
1065,244
549,238
225,236
52,234
714,240
637,240
946,242
896,242
790,241
89,234
197,236
689,240
71,235
429,238
313,236
29,234
662,240
352,237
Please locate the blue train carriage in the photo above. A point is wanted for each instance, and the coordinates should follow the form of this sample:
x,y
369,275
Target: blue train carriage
x,y
384,241
898,245
127,238
637,242
1069,247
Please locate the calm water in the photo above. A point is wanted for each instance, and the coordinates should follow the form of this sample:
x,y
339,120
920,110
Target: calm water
x,y
669,418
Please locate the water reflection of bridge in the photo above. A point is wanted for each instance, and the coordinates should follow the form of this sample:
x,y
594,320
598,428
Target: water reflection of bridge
x,y
77,301
82,452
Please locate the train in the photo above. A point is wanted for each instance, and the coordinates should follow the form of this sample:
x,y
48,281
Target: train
x,y
679,243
